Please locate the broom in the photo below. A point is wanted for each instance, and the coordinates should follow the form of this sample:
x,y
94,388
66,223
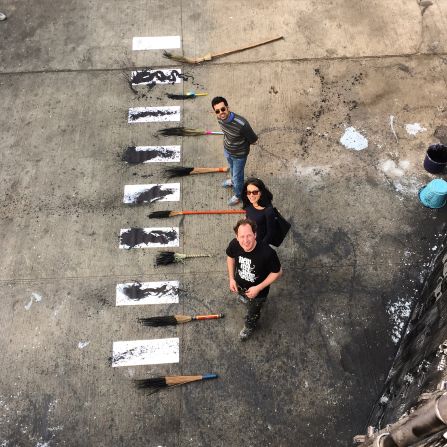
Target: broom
x,y
167,381
181,171
210,56
171,257
164,214
186,132
173,320
189,95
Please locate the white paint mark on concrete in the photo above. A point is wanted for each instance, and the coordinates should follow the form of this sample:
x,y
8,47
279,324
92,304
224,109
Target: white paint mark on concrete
x,y
157,292
161,192
145,352
399,312
414,129
156,43
153,114
352,139
83,344
43,444
36,298
392,128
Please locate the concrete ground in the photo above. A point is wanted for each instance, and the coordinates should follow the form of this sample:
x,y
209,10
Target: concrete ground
x,y
353,261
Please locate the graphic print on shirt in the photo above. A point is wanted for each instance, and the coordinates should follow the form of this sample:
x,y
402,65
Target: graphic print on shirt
x,y
246,270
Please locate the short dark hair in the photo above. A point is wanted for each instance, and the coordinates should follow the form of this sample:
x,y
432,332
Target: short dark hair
x,y
266,195
218,100
245,222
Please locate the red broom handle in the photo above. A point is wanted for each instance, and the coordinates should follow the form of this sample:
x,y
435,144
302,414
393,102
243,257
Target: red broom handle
x,y
208,317
214,212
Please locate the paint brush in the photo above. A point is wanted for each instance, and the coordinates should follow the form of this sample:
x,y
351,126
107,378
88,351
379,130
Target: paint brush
x,y
167,381
210,56
181,171
188,95
165,214
186,132
173,320
171,257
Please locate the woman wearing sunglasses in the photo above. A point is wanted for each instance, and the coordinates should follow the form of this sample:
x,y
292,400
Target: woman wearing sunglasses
x,y
257,202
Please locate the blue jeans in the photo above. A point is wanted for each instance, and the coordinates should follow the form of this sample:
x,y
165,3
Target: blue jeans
x,y
236,166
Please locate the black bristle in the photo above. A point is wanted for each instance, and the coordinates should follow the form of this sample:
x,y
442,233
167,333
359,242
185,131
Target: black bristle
x,y
165,258
173,131
178,171
168,320
171,96
159,214
155,382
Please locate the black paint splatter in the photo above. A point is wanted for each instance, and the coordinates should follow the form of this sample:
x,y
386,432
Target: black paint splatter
x,y
153,194
151,77
132,156
135,292
136,236
134,116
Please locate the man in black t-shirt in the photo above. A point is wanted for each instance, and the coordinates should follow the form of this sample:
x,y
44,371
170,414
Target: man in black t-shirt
x,y
252,267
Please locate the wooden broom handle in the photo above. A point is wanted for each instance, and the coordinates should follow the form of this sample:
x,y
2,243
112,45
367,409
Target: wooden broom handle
x,y
207,170
247,48
186,213
207,317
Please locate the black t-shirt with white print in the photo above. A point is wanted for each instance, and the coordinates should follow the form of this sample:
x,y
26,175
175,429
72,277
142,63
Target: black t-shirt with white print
x,y
254,266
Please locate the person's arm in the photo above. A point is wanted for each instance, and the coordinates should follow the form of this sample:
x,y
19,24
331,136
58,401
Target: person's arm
x,y
253,291
248,133
231,263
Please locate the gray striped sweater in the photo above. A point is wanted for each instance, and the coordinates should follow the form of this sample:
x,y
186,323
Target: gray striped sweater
x,y
238,135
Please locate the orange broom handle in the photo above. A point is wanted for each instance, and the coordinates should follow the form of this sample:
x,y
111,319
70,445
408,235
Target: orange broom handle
x,y
208,317
214,212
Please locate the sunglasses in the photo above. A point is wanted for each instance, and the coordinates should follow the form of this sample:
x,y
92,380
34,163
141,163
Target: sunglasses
x,y
255,192
223,109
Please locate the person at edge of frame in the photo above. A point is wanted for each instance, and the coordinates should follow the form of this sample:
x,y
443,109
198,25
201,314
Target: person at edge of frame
x,y
257,203
252,267
238,136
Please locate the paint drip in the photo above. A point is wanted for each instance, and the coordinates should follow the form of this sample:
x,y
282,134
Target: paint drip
x,y
133,156
136,292
137,236
150,77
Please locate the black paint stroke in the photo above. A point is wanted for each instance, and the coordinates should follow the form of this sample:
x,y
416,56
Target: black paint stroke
x,y
138,115
136,292
137,236
132,156
151,77
157,192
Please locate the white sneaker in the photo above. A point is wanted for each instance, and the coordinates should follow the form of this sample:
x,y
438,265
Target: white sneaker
x,y
2,16
234,201
227,183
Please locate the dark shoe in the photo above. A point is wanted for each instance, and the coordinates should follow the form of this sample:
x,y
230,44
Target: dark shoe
x,y
245,333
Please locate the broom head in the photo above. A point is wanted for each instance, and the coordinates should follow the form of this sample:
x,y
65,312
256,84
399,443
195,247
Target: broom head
x,y
159,214
178,171
168,320
169,257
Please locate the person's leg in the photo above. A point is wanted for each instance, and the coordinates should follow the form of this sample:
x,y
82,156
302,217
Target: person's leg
x,y
254,307
238,176
228,183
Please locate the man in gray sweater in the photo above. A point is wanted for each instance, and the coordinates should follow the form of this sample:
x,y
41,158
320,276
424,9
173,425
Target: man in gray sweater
x,y
238,136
